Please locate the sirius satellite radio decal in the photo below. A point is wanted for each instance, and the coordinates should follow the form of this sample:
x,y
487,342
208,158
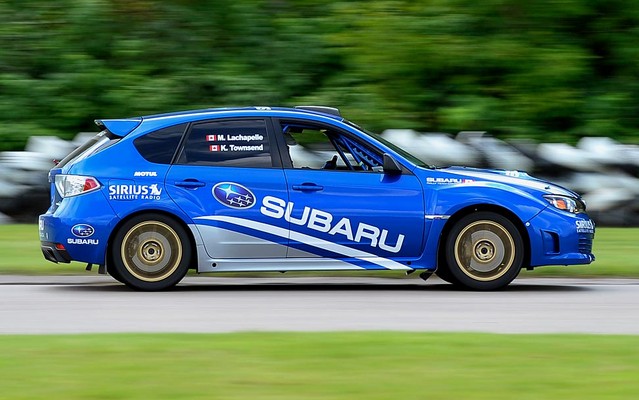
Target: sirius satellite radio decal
x,y
233,195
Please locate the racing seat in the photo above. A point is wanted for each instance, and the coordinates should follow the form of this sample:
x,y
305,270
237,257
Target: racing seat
x,y
331,164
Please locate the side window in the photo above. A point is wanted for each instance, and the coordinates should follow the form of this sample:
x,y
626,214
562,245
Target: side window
x,y
160,146
231,143
318,147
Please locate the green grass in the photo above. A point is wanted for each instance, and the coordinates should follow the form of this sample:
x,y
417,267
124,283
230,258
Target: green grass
x,y
319,366
616,250
20,253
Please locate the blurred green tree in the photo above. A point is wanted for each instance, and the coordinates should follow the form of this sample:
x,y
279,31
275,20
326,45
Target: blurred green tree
x,y
544,69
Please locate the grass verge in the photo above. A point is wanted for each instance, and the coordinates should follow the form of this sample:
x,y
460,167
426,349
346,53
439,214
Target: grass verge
x,y
615,249
319,366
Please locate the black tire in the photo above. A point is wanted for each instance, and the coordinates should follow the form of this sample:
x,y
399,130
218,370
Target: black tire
x,y
444,274
483,251
151,252
113,272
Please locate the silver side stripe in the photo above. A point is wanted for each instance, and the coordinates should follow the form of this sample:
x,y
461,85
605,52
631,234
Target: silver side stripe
x,y
436,216
311,241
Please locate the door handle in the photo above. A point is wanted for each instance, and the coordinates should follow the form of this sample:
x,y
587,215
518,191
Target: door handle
x,y
190,184
308,187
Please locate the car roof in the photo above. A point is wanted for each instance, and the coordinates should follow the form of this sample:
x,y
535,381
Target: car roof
x,y
122,127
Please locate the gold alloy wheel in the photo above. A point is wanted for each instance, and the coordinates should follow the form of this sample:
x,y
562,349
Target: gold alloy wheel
x,y
484,250
151,251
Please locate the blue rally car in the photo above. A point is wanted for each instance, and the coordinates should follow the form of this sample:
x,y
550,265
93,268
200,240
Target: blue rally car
x,y
295,189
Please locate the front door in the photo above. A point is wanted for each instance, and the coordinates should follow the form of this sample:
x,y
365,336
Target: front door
x,y
343,206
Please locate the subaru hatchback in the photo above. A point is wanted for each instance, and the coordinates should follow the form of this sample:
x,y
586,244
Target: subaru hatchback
x,y
295,189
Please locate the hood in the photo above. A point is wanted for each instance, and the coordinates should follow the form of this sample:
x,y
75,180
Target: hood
x,y
514,178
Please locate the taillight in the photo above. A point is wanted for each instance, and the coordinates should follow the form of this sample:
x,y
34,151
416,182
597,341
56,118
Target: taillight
x,y
73,185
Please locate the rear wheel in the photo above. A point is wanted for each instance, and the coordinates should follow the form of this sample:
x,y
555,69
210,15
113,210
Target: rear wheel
x,y
151,252
484,251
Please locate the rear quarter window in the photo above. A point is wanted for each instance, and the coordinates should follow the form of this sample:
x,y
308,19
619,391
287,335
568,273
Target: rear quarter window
x,y
160,146
94,145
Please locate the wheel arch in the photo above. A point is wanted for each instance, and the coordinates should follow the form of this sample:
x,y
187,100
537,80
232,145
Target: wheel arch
x,y
459,214
175,218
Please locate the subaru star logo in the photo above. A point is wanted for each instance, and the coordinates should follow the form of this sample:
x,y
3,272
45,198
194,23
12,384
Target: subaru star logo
x,y
233,195
82,230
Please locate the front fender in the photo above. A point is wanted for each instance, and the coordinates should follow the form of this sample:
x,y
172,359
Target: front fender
x,y
446,201
450,199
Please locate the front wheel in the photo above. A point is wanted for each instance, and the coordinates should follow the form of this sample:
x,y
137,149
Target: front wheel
x,y
484,251
151,252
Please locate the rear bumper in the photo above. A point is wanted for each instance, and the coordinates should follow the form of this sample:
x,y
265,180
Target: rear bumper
x,y
77,229
54,254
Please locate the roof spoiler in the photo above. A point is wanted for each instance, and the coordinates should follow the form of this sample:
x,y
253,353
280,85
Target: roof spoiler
x,y
119,127
321,109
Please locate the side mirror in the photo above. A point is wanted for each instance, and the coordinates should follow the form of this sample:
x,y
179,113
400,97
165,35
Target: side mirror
x,y
391,167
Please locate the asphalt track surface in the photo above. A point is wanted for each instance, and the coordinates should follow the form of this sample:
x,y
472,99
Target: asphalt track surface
x,y
93,304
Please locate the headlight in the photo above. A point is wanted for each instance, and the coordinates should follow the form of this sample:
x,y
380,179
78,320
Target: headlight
x,y
566,203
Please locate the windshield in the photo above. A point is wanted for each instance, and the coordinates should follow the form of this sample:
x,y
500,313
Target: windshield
x,y
392,145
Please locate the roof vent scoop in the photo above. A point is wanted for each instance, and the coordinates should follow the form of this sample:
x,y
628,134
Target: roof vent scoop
x,y
321,109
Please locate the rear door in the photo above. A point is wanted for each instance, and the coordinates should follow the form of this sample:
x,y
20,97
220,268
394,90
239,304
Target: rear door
x,y
224,170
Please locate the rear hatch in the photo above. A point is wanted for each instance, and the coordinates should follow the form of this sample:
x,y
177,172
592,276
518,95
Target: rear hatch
x,y
112,131
97,143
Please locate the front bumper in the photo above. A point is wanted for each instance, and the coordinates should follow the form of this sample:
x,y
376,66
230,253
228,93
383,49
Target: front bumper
x,y
560,238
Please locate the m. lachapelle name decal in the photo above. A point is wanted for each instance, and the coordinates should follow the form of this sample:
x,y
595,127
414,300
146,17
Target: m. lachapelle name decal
x,y
239,142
